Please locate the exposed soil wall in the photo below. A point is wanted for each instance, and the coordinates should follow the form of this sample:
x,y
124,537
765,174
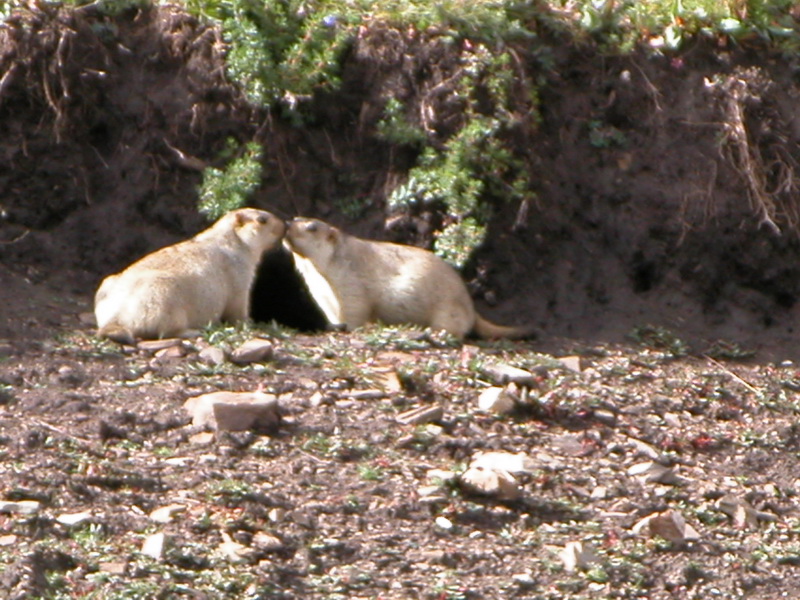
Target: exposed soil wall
x,y
665,195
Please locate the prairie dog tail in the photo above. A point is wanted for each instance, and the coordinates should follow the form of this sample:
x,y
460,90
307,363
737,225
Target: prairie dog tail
x,y
487,330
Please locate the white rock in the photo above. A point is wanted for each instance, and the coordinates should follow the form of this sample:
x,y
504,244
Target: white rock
x,y
491,482
577,555
234,551
644,448
444,523
267,542
154,546
523,578
420,415
71,519
428,490
440,475
212,355
165,513
22,507
496,400
234,411
202,439
670,525
504,461
276,515
178,461
652,472
572,363
255,350
367,394
156,345
503,373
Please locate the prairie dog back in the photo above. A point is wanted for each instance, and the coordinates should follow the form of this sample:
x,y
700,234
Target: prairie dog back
x,y
392,283
190,284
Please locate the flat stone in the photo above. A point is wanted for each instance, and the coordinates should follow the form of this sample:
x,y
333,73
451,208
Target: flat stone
x,y
420,415
171,352
234,551
577,555
267,542
164,514
669,525
503,373
571,363
203,438
255,350
504,461
491,482
234,411
22,507
367,394
72,519
113,567
653,472
496,400
212,356
154,545
156,345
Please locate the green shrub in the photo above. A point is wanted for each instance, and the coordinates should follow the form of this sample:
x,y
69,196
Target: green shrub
x,y
282,52
226,189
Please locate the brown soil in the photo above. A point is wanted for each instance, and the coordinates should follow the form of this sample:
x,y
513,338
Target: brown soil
x,y
651,219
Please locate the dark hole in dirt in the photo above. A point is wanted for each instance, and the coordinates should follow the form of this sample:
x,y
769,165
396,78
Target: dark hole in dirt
x,y
280,294
645,273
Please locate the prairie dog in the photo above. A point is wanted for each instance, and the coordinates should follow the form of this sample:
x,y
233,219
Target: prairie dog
x,y
188,285
358,281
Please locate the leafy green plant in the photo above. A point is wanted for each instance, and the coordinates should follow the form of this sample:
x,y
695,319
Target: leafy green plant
x,y
602,135
666,25
371,472
659,338
475,165
230,492
280,51
283,52
227,189
395,126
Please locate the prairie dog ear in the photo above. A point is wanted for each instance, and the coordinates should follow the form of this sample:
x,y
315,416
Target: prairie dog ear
x,y
333,235
240,219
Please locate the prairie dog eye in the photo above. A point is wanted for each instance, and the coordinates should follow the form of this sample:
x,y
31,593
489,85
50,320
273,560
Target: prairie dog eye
x,y
262,219
312,227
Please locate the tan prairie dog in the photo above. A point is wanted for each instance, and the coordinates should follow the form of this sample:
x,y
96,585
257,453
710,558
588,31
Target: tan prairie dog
x,y
191,284
358,281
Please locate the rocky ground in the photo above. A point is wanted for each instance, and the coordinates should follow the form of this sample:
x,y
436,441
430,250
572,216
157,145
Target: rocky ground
x,y
645,446
404,466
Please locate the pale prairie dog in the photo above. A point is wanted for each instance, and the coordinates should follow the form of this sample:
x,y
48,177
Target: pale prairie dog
x,y
191,284
357,281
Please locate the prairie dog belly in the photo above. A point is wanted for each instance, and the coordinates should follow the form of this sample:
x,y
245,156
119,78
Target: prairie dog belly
x,y
320,290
